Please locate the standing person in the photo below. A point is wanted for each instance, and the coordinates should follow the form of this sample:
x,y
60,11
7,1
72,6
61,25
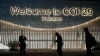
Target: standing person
x,y
59,43
22,45
90,42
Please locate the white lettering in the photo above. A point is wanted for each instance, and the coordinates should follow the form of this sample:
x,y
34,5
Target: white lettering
x,y
51,18
73,11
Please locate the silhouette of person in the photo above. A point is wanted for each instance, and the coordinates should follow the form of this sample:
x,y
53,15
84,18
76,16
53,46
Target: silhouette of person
x,y
90,42
59,43
22,45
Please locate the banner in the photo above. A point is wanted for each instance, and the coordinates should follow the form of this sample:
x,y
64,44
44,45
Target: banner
x,y
48,14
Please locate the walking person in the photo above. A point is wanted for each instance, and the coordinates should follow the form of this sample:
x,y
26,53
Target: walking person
x,y
22,45
59,43
90,42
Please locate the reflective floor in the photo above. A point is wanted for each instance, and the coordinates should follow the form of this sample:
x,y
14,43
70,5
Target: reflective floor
x,y
49,53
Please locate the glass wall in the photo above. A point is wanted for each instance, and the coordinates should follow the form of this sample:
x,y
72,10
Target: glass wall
x,y
38,38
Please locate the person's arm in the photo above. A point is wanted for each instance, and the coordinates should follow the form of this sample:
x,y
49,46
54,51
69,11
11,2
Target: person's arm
x,y
25,38
56,40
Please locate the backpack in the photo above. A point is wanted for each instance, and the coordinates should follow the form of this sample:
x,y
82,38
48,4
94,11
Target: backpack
x,y
93,41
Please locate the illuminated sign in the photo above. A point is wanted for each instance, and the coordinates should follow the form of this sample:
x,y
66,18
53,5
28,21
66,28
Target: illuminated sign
x,y
46,13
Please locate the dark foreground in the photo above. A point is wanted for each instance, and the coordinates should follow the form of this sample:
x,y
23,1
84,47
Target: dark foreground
x,y
48,53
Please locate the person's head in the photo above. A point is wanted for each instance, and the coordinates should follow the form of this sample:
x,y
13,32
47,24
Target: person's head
x,y
20,37
85,29
56,33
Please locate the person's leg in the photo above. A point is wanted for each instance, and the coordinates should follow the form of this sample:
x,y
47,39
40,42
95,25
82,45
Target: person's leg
x,y
59,50
20,52
89,52
24,52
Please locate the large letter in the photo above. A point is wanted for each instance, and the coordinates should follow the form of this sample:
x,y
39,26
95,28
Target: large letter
x,y
14,10
66,11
